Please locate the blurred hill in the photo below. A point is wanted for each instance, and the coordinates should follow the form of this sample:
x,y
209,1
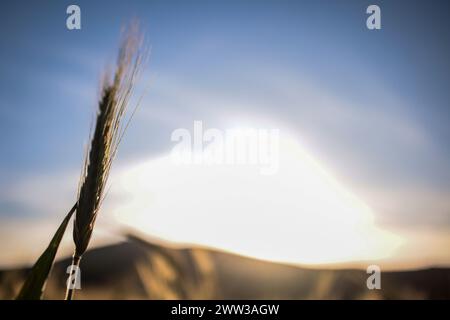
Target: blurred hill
x,y
138,269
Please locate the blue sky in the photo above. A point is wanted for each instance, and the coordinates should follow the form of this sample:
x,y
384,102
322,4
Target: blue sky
x,y
372,106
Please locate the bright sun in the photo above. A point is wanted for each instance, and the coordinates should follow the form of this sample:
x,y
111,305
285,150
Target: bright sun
x,y
299,215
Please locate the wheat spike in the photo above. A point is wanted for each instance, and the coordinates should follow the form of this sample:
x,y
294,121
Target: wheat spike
x,y
104,142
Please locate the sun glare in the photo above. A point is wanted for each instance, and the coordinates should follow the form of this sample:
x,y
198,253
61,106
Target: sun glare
x,y
301,214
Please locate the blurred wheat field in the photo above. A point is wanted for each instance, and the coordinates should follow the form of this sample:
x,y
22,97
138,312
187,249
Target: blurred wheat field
x,y
141,269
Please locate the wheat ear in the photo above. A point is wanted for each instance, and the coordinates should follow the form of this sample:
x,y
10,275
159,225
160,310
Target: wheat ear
x,y
104,143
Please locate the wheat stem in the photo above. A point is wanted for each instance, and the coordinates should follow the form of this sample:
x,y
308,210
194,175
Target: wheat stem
x,y
73,271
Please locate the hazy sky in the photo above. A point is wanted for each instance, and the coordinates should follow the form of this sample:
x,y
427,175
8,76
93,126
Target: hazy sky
x,y
371,106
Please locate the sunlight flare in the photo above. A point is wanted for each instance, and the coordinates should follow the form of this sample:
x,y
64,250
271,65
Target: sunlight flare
x,y
301,214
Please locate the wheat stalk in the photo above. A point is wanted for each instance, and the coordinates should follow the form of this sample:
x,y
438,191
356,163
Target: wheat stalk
x,y
104,142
